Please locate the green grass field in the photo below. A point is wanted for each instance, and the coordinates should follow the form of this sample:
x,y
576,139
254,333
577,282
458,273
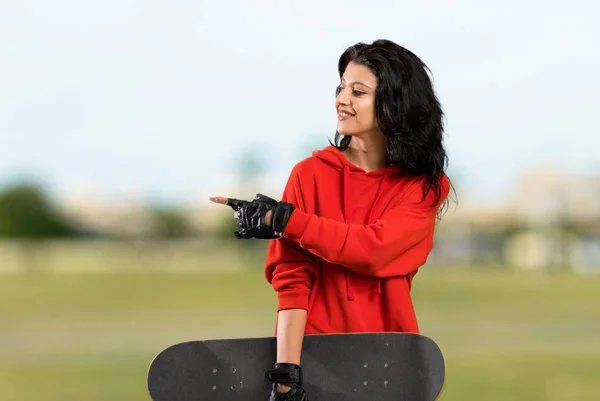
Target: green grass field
x,y
506,335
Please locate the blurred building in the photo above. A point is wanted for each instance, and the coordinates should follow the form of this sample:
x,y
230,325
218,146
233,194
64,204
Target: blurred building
x,y
548,220
118,217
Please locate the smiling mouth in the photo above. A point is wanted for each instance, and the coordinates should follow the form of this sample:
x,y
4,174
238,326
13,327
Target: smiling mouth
x,y
342,115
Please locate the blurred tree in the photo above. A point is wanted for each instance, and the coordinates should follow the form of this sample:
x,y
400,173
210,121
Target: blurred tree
x,y
226,229
168,222
26,212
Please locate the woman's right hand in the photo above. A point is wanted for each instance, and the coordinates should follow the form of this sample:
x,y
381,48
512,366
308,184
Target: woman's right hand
x,y
287,383
282,388
290,336
295,393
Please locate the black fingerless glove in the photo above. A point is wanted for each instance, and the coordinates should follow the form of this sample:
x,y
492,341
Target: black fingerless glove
x,y
251,217
289,374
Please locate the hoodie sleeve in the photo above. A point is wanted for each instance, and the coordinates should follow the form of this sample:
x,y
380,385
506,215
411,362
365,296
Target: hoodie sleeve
x,y
397,244
289,268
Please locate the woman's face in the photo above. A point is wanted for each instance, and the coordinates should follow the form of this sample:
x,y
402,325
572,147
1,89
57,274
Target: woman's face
x,y
355,101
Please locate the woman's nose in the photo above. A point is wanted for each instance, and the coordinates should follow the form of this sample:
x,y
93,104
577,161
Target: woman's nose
x,y
342,98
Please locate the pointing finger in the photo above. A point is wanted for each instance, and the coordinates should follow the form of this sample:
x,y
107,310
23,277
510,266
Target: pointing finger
x,y
218,199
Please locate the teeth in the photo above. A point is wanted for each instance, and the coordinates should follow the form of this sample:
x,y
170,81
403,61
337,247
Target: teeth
x,y
344,114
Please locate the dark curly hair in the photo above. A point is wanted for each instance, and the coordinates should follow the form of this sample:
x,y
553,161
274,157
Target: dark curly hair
x,y
407,111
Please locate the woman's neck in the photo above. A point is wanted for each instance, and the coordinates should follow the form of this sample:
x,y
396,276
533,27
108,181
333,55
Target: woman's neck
x,y
369,155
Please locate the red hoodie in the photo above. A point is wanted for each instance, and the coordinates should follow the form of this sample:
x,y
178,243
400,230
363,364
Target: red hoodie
x,y
352,246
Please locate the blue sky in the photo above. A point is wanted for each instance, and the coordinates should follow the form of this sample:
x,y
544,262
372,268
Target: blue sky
x,y
161,97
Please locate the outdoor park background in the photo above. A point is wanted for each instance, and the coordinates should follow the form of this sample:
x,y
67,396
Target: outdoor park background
x,y
119,119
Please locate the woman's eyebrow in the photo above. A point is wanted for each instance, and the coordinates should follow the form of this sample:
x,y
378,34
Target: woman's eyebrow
x,y
357,83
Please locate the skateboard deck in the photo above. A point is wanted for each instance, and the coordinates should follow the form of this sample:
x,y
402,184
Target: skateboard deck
x,y
349,367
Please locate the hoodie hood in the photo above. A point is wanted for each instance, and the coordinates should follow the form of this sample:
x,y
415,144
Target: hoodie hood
x,y
336,160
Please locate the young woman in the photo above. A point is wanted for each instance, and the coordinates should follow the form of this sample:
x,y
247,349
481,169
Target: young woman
x,y
357,219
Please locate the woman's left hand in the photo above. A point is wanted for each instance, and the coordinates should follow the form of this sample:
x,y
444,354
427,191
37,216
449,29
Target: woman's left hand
x,y
236,204
255,218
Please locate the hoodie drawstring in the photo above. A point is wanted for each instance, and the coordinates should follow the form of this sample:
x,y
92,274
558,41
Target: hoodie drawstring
x,y
371,219
348,220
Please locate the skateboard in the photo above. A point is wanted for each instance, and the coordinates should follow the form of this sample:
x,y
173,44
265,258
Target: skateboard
x,y
349,367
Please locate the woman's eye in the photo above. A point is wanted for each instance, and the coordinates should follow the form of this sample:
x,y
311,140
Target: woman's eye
x,y
355,92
